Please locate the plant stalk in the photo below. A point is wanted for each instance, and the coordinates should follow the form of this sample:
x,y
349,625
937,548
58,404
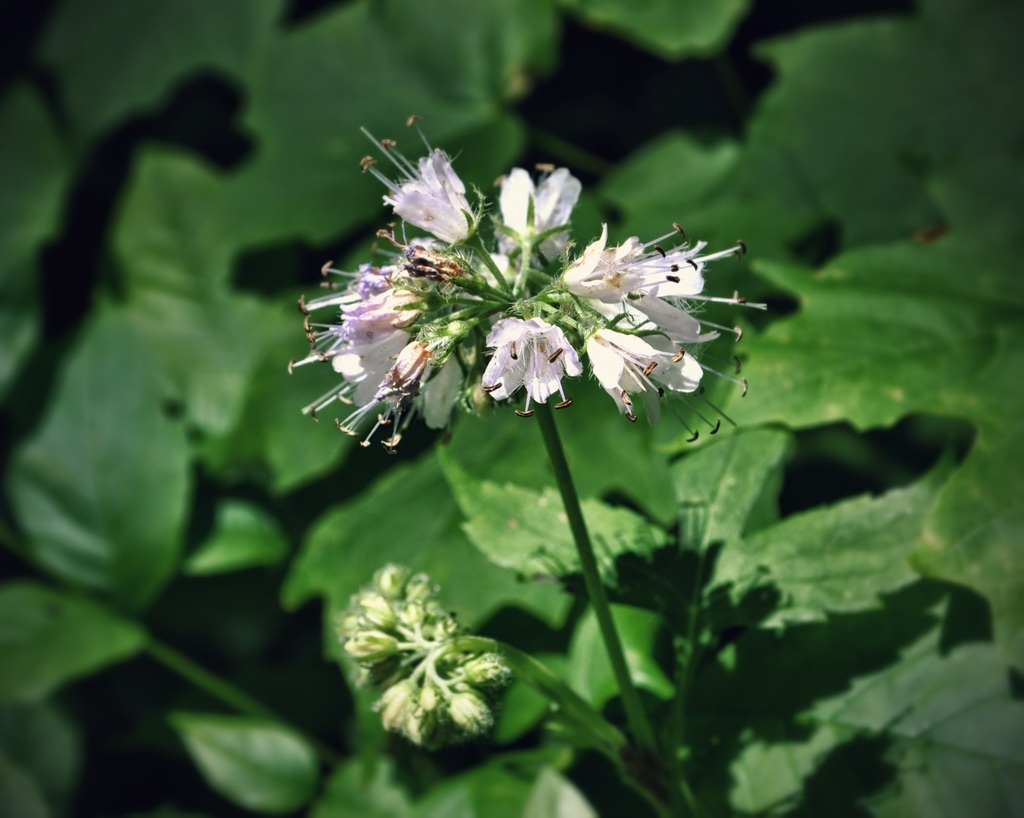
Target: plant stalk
x,y
639,726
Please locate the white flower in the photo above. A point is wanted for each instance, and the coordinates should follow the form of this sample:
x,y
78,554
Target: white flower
x,y
429,195
552,203
440,393
627,364
533,354
610,274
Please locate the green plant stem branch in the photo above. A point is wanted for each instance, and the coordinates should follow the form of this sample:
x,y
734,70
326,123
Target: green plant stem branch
x,y
226,692
639,726
608,738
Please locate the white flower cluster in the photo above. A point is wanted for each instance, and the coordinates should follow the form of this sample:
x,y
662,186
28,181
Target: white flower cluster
x,y
413,335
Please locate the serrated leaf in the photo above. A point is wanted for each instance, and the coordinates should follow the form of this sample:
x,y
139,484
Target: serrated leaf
x,y
310,149
35,176
256,763
670,30
49,638
44,744
129,64
837,558
362,788
925,109
101,488
409,517
176,243
243,536
589,669
528,531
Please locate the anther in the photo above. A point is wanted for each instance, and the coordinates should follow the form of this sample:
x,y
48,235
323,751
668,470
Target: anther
x,y
554,356
693,264
291,366
312,414
545,167
738,298
494,388
744,393
649,368
742,245
739,365
564,404
522,414
660,250
679,228
675,268
673,279
302,305
513,353
718,425
327,267
366,163
412,119
739,333
388,144
624,397
693,439
661,392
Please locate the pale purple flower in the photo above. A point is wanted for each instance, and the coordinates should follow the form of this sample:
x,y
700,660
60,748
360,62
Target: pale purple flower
x,y
553,200
429,195
532,354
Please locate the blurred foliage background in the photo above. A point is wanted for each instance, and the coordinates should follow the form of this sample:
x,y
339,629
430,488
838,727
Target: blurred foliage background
x,y
178,538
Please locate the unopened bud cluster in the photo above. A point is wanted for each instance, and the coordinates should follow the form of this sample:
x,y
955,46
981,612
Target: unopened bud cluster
x,y
403,641
497,300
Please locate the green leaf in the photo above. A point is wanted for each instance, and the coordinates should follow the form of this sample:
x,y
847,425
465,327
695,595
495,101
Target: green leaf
x,y
304,181
409,517
272,442
362,788
554,796
243,536
258,764
49,638
39,740
837,558
129,64
35,176
176,244
523,706
891,82
101,488
670,30
529,532
489,791
19,794
728,480
589,669
955,728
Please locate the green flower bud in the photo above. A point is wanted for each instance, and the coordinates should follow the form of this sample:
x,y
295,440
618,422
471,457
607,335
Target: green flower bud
x,y
393,705
426,728
470,713
371,646
419,588
488,670
346,625
376,610
412,614
429,698
380,674
390,580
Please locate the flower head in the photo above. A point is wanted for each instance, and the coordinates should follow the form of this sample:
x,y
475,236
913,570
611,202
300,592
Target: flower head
x,y
469,316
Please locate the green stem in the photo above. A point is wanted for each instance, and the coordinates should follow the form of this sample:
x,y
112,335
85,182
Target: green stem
x,y
635,715
476,241
226,692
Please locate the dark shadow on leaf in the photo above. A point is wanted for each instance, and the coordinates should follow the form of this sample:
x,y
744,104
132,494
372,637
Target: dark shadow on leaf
x,y
847,776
